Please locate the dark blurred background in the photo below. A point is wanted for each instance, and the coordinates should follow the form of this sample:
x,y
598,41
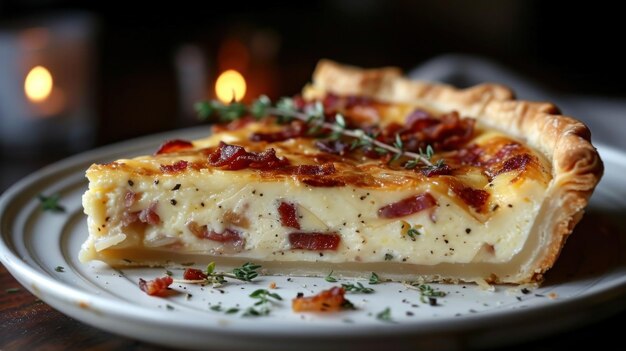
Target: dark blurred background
x,y
122,70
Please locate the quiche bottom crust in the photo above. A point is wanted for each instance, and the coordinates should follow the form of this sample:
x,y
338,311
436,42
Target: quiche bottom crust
x,y
566,142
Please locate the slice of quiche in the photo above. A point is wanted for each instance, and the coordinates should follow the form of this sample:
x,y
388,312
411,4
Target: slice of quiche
x,y
365,171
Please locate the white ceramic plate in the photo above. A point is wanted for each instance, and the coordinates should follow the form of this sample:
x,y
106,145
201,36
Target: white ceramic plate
x,y
586,283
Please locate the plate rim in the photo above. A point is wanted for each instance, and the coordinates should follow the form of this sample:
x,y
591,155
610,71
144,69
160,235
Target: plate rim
x,y
24,271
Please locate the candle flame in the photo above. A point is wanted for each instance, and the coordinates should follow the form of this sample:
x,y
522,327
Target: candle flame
x,y
38,84
230,86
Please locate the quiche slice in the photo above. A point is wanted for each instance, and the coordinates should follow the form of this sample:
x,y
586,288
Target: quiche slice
x,y
409,179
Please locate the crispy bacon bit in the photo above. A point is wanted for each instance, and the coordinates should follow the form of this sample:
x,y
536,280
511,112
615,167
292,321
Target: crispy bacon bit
x,y
330,300
314,241
420,119
288,216
475,198
173,146
296,129
130,199
514,163
331,102
357,100
149,215
179,166
155,287
504,153
228,236
323,182
233,157
468,155
194,274
448,132
407,206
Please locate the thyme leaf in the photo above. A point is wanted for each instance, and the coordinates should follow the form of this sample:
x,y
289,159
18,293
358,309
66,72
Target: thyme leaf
x,y
329,278
357,288
384,315
374,279
51,203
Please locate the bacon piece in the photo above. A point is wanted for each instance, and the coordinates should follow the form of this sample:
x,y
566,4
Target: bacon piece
x,y
331,102
178,166
149,215
323,182
330,300
448,132
314,241
358,100
194,274
130,199
155,287
475,198
173,146
420,119
514,163
407,206
288,216
228,236
296,129
234,157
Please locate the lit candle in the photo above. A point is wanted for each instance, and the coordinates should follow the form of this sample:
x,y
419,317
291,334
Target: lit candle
x,y
230,86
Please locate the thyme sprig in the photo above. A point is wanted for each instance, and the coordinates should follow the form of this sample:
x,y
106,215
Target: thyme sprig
x,y
357,288
263,306
428,294
285,110
247,272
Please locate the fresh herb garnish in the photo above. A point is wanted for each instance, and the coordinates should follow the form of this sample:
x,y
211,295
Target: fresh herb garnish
x,y
285,110
329,278
247,272
411,231
12,290
59,269
263,306
384,315
427,293
357,288
388,257
51,203
232,310
374,278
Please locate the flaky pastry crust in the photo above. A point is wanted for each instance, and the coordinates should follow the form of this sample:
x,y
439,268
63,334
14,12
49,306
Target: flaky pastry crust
x,y
565,141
